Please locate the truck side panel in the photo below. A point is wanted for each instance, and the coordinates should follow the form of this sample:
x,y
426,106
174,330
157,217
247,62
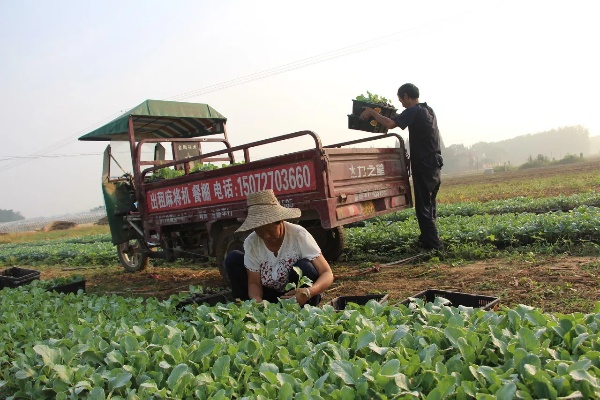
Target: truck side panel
x,y
333,185
367,183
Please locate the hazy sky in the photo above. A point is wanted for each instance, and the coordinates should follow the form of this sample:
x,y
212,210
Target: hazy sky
x,y
491,70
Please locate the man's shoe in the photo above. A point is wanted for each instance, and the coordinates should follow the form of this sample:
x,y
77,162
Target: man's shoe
x,y
428,246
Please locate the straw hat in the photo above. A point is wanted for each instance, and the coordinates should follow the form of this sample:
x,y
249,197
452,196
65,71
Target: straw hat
x,y
264,208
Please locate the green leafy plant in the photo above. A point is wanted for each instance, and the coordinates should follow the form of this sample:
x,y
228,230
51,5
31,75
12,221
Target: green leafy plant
x,y
302,281
167,173
374,99
479,235
514,205
66,280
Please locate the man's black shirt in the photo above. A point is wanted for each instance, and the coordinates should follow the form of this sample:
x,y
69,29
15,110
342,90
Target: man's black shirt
x,y
423,135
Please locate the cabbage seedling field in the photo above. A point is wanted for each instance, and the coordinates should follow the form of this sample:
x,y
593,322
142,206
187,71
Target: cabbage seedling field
x,y
86,346
501,223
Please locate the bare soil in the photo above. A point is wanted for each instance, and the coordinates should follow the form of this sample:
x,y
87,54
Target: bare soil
x,y
555,284
561,284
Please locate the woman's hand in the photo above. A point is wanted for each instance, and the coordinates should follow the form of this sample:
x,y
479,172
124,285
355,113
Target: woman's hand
x,y
289,295
301,295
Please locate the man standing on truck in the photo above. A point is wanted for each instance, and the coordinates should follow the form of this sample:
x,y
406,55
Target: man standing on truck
x,y
425,157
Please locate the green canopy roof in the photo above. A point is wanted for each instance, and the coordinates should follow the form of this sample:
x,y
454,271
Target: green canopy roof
x,y
162,119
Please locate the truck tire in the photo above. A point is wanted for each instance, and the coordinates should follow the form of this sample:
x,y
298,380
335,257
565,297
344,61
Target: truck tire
x,y
228,241
331,241
131,256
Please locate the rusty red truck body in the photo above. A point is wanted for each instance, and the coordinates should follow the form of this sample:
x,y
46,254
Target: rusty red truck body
x,y
196,213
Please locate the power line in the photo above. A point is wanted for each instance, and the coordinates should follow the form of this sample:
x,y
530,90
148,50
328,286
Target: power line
x,y
8,158
56,145
32,157
338,53
306,62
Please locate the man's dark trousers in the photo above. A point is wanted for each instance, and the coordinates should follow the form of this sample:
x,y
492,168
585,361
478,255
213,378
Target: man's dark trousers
x,y
426,183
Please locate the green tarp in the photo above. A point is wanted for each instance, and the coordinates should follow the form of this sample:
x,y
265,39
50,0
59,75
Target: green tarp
x,y
119,202
162,119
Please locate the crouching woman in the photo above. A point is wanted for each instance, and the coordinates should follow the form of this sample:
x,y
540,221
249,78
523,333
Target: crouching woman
x,y
265,267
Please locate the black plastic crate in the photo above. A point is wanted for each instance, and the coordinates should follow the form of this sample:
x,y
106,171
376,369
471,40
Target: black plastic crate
x,y
72,287
358,107
15,277
458,299
211,299
340,303
354,122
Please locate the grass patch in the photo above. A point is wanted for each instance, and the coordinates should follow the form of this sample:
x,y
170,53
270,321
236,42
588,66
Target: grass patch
x,y
592,267
538,182
24,237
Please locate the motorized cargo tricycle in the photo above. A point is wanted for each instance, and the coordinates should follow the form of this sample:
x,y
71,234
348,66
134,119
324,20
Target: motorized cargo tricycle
x,y
179,205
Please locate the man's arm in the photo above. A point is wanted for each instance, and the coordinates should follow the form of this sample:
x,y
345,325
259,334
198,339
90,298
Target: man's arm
x,y
385,121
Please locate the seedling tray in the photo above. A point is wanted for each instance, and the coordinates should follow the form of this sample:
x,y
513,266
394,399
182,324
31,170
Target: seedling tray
x,y
211,299
354,122
340,303
358,107
15,277
72,287
458,299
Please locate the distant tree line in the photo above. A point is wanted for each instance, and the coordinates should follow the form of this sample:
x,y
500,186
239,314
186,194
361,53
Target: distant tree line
x,y
556,144
543,161
10,215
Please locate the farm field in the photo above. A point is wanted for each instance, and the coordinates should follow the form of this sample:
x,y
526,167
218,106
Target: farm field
x,y
533,182
558,271
529,237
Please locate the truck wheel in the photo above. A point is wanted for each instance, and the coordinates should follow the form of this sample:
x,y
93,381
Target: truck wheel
x,y
331,241
131,256
228,241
